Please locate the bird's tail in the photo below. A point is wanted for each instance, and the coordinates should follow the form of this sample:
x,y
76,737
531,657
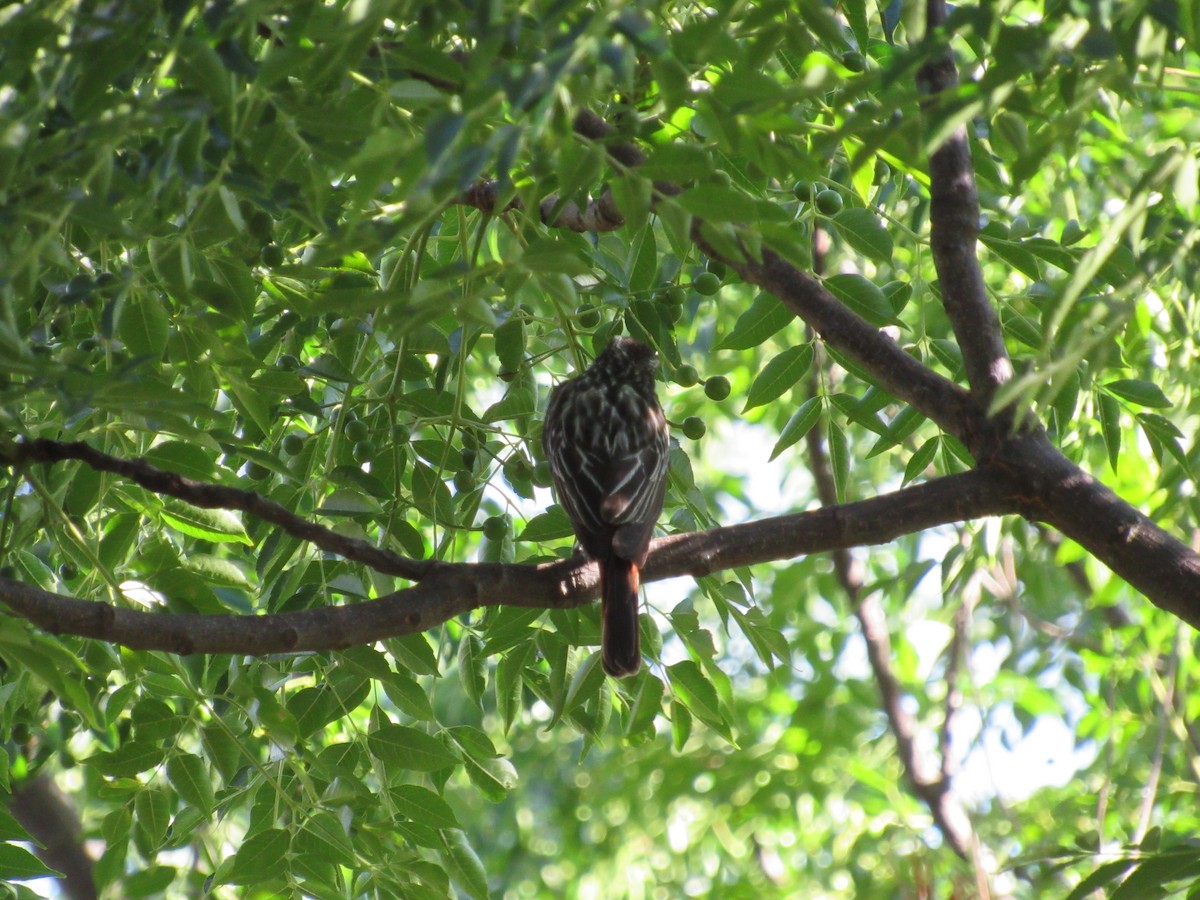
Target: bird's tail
x,y
619,652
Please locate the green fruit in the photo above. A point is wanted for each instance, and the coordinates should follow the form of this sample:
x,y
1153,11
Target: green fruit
x,y
287,362
706,283
675,295
364,450
293,443
717,387
694,428
686,376
260,225
68,571
468,457
802,190
401,433
257,471
495,528
357,430
271,255
464,481
829,202
853,60
882,172
79,286
587,316
542,476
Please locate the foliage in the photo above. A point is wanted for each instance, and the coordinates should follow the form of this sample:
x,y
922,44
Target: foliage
x,y
234,246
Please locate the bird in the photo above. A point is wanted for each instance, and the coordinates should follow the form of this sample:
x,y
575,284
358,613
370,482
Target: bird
x,y
606,440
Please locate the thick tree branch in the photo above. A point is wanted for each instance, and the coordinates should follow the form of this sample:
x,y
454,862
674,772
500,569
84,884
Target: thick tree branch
x,y
1062,495
931,785
217,496
450,589
954,230
45,812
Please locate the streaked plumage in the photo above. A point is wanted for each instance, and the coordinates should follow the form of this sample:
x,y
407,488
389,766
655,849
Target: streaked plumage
x,y
606,439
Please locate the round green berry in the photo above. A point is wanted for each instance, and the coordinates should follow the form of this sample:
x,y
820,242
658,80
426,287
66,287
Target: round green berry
x,y
257,471
293,443
686,376
694,428
802,190
401,433
495,528
357,430
717,387
853,60
68,571
271,255
464,481
364,450
706,283
829,202
542,476
1071,233
287,362
587,316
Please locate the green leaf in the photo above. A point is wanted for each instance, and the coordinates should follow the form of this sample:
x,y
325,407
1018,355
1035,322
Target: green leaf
x,y
551,525
216,525
183,458
699,696
151,816
681,725
144,327
471,670
645,707
645,264
261,857
863,297
1143,393
800,423
510,343
765,317
127,760
421,805
18,864
190,779
678,162
779,375
920,460
463,863
402,747
431,496
1110,425
839,456
864,232
322,838
716,203
1100,876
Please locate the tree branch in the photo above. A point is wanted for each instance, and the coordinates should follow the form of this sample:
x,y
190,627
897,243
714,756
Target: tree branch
x,y
217,496
1065,497
954,231
46,813
450,589
934,790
